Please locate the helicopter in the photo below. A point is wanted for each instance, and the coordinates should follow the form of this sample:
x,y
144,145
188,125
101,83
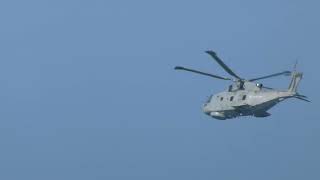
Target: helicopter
x,y
246,97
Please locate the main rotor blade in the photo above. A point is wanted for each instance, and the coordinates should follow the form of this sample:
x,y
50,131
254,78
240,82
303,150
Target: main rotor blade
x,y
268,88
199,72
286,73
222,64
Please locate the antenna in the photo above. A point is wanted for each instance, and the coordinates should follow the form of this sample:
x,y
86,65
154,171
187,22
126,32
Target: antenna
x,y
295,65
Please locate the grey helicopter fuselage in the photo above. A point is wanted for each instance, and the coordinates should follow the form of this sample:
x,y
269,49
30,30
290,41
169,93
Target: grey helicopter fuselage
x,y
252,100
245,97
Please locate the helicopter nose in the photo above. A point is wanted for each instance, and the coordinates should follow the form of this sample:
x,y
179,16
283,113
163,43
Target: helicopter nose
x,y
205,109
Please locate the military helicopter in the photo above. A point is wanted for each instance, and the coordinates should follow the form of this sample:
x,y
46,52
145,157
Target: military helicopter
x,y
245,97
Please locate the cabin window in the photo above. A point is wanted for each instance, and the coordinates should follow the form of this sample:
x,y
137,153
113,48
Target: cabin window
x,y
221,99
231,98
244,97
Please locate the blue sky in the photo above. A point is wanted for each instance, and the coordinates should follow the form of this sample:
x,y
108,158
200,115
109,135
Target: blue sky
x,y
88,89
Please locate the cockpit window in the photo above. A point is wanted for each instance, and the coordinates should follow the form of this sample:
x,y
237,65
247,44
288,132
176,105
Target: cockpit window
x,y
244,97
231,98
209,99
221,99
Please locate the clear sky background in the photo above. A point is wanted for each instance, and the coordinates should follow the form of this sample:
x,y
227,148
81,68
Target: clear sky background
x,y
88,89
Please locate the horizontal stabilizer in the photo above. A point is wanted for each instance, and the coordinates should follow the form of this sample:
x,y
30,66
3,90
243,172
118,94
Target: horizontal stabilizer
x,y
303,99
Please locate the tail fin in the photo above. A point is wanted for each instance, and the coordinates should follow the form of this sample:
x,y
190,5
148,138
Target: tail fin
x,y
296,78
